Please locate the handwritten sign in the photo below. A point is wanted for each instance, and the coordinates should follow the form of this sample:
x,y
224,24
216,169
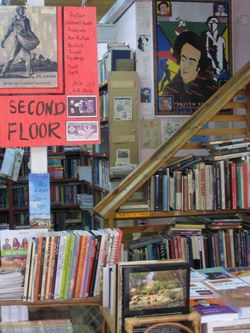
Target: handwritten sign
x,y
39,199
49,94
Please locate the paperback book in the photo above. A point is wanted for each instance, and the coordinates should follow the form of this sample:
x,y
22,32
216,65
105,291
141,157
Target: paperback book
x,y
212,309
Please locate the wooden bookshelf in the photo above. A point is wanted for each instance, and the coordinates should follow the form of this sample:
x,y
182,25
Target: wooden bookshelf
x,y
108,208
93,301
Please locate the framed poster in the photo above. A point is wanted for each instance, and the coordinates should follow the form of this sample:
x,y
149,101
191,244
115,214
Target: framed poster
x,y
155,288
192,40
48,76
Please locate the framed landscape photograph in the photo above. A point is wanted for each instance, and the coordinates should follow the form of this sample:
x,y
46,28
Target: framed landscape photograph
x,y
155,288
192,59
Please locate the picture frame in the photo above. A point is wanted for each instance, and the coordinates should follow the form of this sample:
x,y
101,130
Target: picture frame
x,y
155,288
192,53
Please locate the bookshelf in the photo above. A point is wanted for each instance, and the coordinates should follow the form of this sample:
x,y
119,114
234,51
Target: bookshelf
x,y
225,98
65,186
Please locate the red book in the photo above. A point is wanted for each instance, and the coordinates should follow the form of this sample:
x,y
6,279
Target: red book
x,y
91,266
80,265
38,267
233,185
245,185
118,245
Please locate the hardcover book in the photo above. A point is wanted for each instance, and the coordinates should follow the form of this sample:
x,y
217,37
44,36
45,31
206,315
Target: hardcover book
x,y
212,309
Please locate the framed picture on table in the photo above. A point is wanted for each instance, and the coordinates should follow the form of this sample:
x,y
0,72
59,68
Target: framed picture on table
x,y
155,288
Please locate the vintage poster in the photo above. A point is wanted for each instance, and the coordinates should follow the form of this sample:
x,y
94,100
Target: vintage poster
x,y
150,133
192,53
123,108
48,75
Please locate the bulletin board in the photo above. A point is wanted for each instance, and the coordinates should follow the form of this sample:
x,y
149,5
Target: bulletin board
x,y
48,76
192,43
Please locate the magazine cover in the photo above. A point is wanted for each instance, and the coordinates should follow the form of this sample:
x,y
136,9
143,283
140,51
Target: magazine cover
x,y
14,245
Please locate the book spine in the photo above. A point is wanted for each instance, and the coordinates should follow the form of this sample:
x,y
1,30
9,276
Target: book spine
x,y
178,190
233,185
65,266
83,291
69,266
91,267
51,260
60,263
80,264
45,268
38,268
27,271
57,247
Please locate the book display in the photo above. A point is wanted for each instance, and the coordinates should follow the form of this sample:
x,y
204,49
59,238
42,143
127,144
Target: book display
x,y
101,238
193,189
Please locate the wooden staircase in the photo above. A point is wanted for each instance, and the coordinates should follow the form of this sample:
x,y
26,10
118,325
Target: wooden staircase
x,y
197,125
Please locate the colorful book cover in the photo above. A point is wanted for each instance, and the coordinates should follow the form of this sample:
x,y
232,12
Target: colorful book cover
x,y
14,245
199,289
212,309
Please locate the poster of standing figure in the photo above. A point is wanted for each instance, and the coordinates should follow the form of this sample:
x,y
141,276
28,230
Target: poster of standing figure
x,y
28,40
48,76
192,53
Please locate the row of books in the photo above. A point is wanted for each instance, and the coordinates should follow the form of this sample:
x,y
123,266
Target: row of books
x,y
226,147
207,248
103,147
65,265
20,195
69,219
64,194
101,176
204,186
63,168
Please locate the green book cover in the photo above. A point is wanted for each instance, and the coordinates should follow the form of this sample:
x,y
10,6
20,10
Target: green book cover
x,y
70,264
65,266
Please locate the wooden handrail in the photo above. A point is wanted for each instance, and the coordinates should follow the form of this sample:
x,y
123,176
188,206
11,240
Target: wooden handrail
x,y
109,204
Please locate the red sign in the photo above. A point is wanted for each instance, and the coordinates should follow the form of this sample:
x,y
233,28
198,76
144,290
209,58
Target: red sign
x,y
48,76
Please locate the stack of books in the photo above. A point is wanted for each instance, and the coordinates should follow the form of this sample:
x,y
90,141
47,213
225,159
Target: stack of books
x,y
11,284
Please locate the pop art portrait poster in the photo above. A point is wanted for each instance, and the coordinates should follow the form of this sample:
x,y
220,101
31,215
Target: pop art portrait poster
x,y
192,53
48,75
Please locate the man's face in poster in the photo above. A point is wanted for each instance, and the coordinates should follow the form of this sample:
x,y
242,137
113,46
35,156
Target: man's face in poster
x,y
163,9
213,24
190,57
221,10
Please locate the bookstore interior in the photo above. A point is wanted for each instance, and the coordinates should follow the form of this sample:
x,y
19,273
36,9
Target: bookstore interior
x,y
125,158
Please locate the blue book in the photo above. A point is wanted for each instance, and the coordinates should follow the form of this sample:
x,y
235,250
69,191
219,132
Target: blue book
x,y
115,54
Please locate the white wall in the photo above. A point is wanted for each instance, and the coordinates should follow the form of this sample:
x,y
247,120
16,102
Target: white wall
x,y
126,28
241,33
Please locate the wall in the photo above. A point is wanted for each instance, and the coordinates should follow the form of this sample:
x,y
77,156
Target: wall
x,y
125,28
241,35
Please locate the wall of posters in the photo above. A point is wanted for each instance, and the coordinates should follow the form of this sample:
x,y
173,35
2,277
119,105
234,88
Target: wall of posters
x,y
192,52
48,76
